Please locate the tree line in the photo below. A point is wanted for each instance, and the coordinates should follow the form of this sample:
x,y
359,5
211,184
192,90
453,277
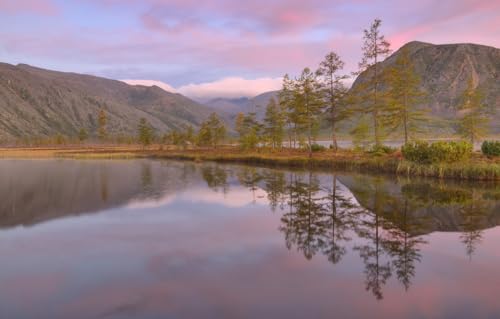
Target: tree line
x,y
391,99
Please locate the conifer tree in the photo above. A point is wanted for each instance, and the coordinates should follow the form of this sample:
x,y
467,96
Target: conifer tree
x,y
82,135
308,104
404,95
274,124
248,129
334,90
212,131
474,122
102,121
145,132
287,101
374,48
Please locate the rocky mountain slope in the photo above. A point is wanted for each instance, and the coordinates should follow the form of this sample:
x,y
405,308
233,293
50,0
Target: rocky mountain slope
x,y
444,71
38,102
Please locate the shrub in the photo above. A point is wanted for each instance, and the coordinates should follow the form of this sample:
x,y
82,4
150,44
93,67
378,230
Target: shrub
x,y
491,148
381,150
438,152
317,148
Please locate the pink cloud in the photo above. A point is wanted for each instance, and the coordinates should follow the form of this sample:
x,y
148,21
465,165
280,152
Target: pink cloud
x,y
44,7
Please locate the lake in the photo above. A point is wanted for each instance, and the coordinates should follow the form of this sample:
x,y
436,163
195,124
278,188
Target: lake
x,y
168,239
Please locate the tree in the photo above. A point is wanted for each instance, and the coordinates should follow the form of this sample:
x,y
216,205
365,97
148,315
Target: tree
x,y
248,129
404,95
212,131
360,135
333,90
274,124
102,122
82,135
287,103
474,122
374,47
145,132
189,135
308,104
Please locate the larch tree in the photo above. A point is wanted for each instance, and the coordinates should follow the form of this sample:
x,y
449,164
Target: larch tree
x,y
249,130
287,102
274,123
82,135
403,97
333,90
102,122
474,122
375,47
217,130
145,132
308,104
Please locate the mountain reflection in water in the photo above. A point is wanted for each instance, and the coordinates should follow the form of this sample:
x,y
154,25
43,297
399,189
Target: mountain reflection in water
x,y
379,225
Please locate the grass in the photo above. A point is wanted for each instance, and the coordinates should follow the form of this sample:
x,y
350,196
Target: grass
x,y
478,168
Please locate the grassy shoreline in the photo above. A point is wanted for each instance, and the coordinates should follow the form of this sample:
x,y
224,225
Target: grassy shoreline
x,y
478,168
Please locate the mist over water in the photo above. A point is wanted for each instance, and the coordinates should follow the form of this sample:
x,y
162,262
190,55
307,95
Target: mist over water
x,y
168,239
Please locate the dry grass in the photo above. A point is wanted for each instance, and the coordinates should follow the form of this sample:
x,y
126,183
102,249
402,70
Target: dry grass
x,y
478,168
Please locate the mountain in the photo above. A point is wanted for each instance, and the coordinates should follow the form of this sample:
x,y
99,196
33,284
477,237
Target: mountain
x,y
38,102
234,106
445,70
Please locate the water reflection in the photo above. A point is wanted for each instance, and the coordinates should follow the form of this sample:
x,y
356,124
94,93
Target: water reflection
x,y
375,229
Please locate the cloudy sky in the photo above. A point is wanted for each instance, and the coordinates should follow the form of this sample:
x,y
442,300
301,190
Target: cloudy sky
x,y
223,47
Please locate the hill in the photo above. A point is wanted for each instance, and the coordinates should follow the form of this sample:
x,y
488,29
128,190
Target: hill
x,y
444,71
38,102
232,107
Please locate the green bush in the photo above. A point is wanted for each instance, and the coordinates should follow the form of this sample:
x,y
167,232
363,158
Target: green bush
x,y
438,152
317,148
381,150
491,148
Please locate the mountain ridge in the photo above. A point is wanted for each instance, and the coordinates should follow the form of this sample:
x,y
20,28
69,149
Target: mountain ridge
x,y
40,102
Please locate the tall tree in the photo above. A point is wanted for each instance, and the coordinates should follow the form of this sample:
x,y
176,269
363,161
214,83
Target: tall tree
x,y
475,121
375,47
333,89
308,104
274,123
102,122
404,95
287,101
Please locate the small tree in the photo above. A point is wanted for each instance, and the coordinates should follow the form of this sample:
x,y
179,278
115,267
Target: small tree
x,y
145,132
83,135
212,131
189,135
248,129
475,121
360,135
102,122
274,121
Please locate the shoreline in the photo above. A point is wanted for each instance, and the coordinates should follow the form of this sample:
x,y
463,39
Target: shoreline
x,y
478,168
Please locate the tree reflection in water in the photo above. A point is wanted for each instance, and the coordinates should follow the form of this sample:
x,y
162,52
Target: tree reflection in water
x,y
321,214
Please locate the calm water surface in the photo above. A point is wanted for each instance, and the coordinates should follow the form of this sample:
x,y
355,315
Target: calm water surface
x,y
166,239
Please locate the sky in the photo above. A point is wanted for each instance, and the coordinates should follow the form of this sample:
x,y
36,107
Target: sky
x,y
224,48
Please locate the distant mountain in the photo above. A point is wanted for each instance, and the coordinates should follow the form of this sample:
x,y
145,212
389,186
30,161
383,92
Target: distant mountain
x,y
38,102
445,70
234,106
